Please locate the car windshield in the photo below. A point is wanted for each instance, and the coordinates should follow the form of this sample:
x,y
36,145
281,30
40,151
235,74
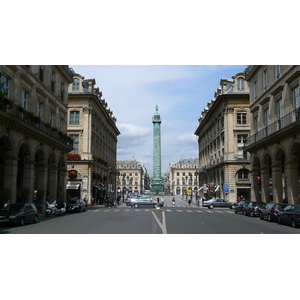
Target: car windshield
x,y
14,207
73,201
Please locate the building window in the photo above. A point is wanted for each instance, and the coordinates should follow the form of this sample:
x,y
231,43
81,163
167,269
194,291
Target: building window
x,y
41,73
39,109
242,138
5,88
242,141
240,83
74,118
24,99
277,72
265,79
52,82
255,90
241,118
243,174
280,113
75,85
178,174
51,120
296,99
62,92
75,143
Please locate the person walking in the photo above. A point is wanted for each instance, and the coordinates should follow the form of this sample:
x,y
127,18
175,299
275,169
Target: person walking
x,y
173,201
189,202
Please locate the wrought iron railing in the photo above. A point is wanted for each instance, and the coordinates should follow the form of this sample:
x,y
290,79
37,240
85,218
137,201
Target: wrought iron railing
x,y
281,123
38,124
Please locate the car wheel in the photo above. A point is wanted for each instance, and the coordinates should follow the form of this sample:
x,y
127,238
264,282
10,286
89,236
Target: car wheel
x,y
22,222
235,211
211,206
154,205
36,218
232,207
269,218
294,225
136,205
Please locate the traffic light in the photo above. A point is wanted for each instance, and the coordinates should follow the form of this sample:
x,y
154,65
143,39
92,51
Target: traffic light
x,y
258,180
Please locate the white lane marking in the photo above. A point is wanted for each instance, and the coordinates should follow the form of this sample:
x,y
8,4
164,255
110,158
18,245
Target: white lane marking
x,y
189,211
163,225
179,210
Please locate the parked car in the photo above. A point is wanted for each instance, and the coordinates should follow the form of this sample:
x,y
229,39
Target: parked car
x,y
218,202
254,209
19,214
240,207
270,212
142,201
290,215
77,205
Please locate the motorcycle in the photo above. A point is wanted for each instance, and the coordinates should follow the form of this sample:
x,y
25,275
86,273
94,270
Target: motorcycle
x,y
110,203
54,208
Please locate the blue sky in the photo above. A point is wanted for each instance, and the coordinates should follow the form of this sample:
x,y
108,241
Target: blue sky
x,y
181,93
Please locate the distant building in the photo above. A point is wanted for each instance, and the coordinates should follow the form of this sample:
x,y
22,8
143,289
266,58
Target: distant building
x,y
33,133
274,143
92,166
182,177
132,177
224,126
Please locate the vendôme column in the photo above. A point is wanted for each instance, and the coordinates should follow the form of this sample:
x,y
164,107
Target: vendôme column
x,y
157,186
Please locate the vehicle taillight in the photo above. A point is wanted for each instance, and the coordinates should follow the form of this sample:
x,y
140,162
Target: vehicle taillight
x,y
273,211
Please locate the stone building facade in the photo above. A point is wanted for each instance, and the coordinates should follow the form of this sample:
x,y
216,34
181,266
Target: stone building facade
x,y
92,166
181,178
224,126
274,143
132,177
33,133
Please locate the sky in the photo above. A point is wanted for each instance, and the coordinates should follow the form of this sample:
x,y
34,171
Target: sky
x,y
181,92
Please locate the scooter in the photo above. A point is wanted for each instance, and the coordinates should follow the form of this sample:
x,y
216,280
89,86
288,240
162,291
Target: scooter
x,y
110,203
61,208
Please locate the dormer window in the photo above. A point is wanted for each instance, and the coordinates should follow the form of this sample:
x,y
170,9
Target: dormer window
x,y
75,86
240,83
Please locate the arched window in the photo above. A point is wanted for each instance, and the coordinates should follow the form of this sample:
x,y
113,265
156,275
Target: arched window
x,y
243,174
75,86
240,83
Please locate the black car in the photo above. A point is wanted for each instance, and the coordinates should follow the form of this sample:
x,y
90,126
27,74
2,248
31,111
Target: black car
x,y
76,205
254,208
19,214
290,215
270,212
240,207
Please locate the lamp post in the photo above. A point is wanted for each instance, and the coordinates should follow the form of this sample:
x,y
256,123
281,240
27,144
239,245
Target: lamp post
x,y
196,174
186,186
191,182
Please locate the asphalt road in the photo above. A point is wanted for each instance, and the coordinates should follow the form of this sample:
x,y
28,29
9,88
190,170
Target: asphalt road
x,y
181,219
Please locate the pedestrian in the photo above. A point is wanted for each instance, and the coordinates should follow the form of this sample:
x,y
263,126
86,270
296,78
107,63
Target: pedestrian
x,y
173,201
162,201
285,200
203,199
238,200
189,202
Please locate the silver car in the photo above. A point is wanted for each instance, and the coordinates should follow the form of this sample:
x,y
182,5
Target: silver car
x,y
143,201
218,202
